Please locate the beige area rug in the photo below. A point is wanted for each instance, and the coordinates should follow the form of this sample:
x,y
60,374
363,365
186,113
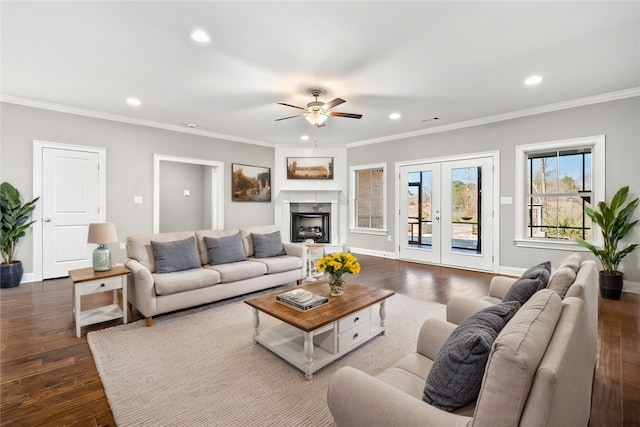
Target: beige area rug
x,y
201,368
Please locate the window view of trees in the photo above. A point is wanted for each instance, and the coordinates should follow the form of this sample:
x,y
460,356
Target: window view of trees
x,y
559,188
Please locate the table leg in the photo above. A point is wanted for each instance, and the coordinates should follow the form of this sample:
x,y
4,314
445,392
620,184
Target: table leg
x,y
77,310
256,324
383,315
308,352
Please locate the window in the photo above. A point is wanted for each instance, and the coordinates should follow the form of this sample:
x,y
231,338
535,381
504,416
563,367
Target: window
x,y
557,180
369,195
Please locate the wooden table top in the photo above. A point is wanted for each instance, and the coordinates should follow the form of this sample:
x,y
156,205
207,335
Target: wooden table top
x,y
86,274
356,297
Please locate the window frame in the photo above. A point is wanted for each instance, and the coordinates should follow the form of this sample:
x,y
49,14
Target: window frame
x,y
597,145
353,223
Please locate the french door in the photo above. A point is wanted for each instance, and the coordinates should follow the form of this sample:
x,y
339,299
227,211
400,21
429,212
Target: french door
x,y
446,213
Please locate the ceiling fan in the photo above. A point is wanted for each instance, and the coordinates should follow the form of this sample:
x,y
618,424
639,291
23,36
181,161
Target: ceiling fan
x,y
318,112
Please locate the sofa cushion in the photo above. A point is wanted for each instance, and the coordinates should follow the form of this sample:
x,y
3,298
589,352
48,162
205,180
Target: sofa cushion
x,y
457,371
139,247
267,245
202,247
239,270
178,255
180,281
223,250
281,263
246,235
531,281
516,354
573,261
562,280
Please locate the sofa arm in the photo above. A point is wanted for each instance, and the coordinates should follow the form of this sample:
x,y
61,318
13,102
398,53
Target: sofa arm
x,y
500,285
459,308
301,252
143,292
433,334
357,399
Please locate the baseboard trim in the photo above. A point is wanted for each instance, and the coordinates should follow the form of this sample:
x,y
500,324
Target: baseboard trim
x,y
27,278
372,252
632,287
504,270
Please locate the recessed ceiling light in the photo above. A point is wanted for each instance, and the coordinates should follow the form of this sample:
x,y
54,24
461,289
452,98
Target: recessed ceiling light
x,y
304,137
533,80
133,101
200,36
191,125
394,116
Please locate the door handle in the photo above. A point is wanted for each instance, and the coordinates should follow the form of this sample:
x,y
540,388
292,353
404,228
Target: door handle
x,y
47,220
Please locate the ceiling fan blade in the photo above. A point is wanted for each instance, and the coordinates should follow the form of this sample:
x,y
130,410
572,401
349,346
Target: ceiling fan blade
x,y
335,102
289,105
349,115
290,117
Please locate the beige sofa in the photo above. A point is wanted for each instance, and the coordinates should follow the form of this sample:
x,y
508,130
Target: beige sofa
x,y
154,293
584,286
539,372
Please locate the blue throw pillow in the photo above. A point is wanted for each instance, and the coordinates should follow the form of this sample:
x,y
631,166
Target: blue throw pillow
x,y
267,245
224,250
178,255
456,375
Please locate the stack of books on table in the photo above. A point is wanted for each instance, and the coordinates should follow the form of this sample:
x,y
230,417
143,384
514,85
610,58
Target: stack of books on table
x,y
301,300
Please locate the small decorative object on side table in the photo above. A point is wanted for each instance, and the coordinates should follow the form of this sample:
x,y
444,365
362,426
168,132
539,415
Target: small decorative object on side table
x,y
336,265
86,281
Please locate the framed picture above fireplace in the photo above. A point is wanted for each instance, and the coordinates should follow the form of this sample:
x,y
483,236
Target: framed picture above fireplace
x,y
309,167
250,183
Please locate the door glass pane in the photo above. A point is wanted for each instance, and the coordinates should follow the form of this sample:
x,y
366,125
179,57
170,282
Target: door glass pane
x,y
466,209
419,210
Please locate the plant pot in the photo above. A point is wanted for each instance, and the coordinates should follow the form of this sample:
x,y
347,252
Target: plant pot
x,y
11,274
611,285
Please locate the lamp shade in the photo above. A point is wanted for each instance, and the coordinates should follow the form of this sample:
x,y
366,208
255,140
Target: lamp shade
x,y
102,232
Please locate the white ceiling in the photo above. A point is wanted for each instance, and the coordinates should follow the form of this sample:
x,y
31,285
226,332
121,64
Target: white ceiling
x,y
458,61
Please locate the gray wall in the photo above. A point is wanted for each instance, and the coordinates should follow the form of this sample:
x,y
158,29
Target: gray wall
x,y
130,149
177,211
618,120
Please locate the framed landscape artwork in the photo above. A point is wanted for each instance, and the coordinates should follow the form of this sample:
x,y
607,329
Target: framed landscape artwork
x,y
309,167
250,183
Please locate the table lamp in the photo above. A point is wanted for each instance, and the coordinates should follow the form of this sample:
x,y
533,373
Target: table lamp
x,y
102,233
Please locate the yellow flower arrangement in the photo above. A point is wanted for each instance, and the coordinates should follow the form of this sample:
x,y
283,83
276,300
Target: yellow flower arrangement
x,y
336,265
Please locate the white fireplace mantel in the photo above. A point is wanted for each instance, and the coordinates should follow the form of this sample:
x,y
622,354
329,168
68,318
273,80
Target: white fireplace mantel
x,y
286,197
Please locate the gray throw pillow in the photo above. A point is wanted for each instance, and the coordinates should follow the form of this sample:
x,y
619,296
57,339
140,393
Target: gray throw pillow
x,y
267,245
224,250
178,255
531,281
456,374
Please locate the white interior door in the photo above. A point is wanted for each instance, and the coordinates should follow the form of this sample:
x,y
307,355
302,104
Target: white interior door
x,y
446,213
70,201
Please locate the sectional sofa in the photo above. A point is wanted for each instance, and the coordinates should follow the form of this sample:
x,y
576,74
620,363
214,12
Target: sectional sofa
x,y
538,371
174,271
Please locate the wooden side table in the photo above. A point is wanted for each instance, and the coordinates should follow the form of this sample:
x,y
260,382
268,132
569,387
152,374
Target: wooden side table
x,y
86,282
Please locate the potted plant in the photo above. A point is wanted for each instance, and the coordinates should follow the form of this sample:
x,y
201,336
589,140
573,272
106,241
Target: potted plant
x,y
14,217
615,222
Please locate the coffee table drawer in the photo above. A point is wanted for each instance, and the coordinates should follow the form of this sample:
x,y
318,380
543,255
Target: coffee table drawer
x,y
353,336
353,320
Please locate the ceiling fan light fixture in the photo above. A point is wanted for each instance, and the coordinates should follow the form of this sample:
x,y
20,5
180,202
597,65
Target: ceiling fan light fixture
x,y
316,117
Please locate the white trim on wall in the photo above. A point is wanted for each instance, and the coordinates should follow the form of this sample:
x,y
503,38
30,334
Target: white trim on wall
x,y
217,188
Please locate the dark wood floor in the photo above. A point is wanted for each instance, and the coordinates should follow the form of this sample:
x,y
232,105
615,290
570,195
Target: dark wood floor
x,y
48,376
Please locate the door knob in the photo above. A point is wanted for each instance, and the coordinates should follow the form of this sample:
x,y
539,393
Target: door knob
x,y
47,220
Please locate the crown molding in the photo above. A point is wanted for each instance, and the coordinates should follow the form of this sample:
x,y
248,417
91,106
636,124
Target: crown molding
x,y
117,118
596,99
